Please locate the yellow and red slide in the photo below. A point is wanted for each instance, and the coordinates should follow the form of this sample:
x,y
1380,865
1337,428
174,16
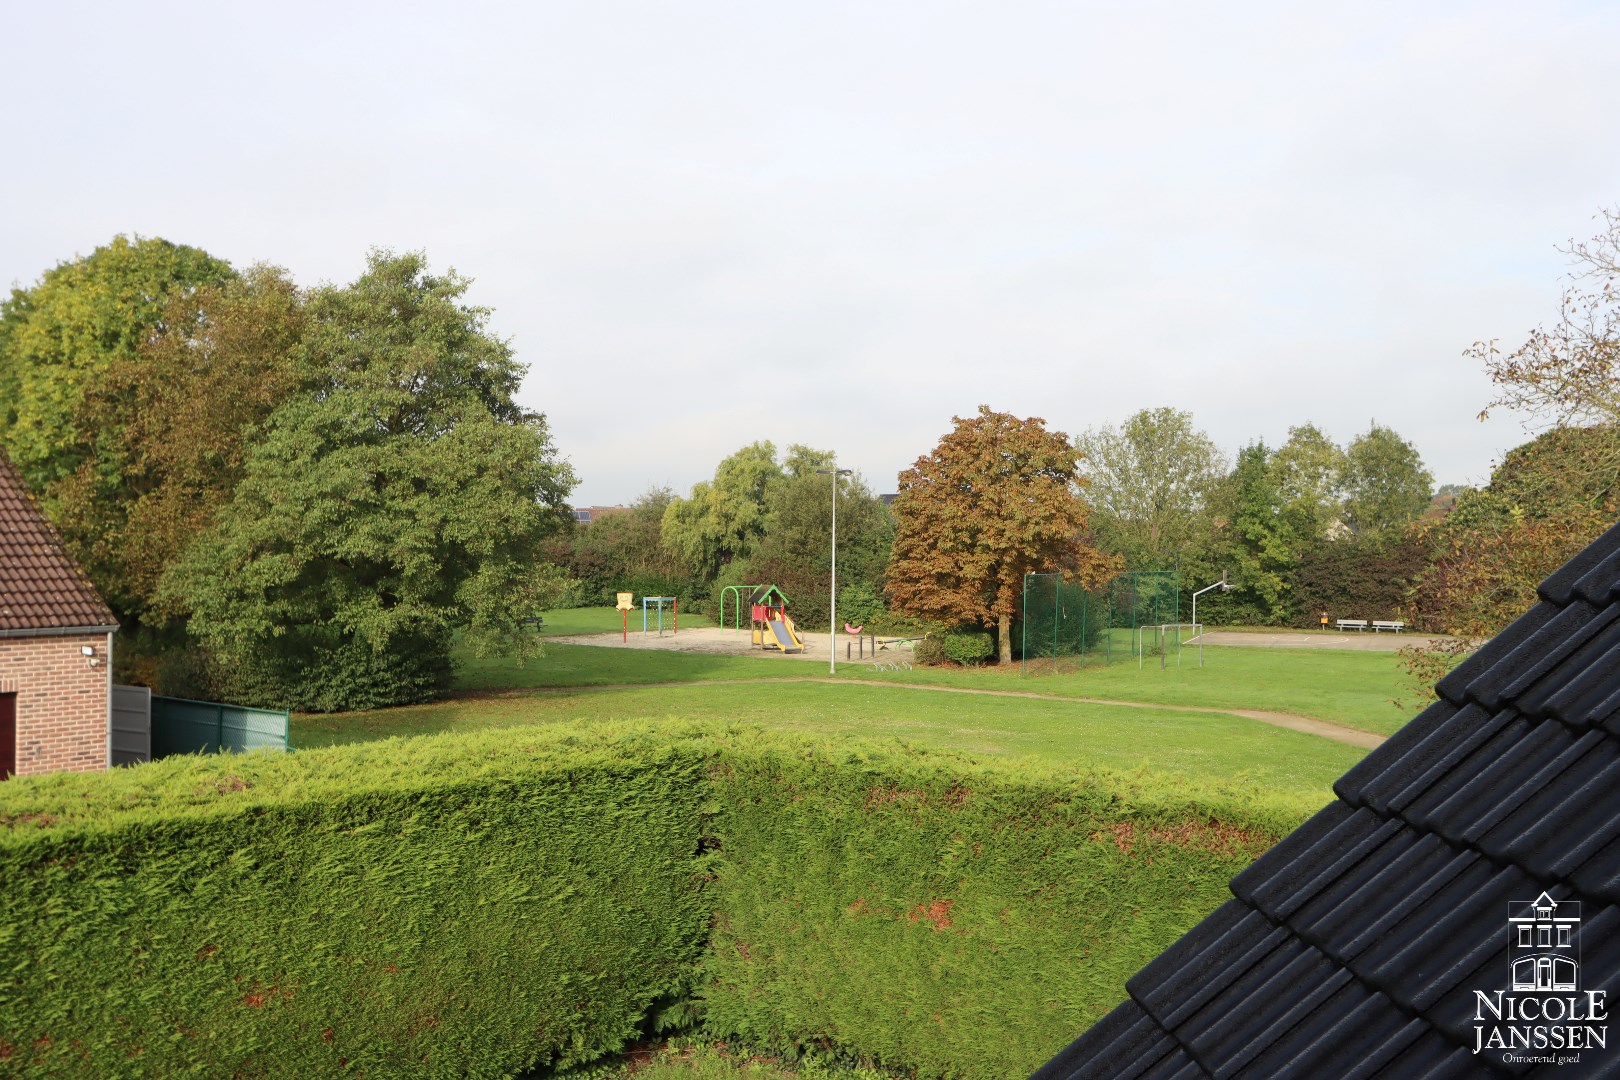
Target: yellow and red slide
x,y
786,634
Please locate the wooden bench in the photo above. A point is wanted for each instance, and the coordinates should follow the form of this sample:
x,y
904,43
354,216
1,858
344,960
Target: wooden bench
x,y
1392,624
1352,624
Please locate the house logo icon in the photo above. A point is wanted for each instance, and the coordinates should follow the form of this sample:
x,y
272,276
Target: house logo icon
x,y
1544,943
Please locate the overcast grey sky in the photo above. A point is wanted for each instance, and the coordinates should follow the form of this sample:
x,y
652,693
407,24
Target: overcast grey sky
x,y
843,223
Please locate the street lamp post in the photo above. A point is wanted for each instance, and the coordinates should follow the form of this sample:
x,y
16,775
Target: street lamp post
x,y
832,617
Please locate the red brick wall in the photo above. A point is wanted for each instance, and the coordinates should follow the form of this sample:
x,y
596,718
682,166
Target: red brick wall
x,y
61,701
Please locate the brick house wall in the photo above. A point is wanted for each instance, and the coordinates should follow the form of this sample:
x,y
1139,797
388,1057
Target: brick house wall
x,y
62,702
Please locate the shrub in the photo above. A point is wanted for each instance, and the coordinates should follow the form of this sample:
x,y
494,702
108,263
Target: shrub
x,y
944,919
341,674
930,650
479,904
860,604
968,647
453,907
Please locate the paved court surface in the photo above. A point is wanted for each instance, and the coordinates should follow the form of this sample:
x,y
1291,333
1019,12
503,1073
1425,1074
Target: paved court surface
x,y
1364,641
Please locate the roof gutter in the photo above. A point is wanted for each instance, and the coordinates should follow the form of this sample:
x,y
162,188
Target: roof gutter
x,y
60,631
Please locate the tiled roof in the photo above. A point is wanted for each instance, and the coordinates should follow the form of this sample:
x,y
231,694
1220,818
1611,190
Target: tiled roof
x,y
1356,946
41,587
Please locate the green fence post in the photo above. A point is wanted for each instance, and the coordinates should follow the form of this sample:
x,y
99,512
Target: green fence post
x,y
219,728
1023,646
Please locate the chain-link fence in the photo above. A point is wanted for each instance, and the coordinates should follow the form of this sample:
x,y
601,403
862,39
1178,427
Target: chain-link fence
x,y
1132,619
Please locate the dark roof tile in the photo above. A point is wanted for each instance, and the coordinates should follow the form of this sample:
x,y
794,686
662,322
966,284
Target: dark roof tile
x,y
1468,806
1599,876
1371,774
1221,1046
1183,978
1549,646
1566,582
1176,1065
1433,758
1125,1044
1563,820
1452,687
1290,874
1421,806
1315,1048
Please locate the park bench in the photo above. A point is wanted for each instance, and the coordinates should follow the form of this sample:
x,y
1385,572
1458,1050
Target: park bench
x,y
1388,624
1352,624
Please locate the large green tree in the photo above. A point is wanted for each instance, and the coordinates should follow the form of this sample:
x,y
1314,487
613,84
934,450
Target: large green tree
x,y
625,552
1261,546
1305,471
175,423
996,499
404,495
1384,482
796,551
724,518
60,339
1151,480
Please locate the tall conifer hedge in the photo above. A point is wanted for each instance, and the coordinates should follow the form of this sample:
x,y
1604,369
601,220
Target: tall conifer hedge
x,y
482,904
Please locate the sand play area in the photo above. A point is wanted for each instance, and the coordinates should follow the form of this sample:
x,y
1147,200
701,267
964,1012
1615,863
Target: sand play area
x,y
711,639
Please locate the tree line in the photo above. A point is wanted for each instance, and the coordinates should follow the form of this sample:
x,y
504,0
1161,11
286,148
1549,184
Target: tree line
x,y
289,496
305,496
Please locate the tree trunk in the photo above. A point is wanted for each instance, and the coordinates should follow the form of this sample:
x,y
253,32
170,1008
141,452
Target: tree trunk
x,y
1004,638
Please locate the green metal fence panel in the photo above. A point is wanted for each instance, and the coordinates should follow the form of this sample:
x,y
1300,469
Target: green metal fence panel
x,y
1131,618
183,726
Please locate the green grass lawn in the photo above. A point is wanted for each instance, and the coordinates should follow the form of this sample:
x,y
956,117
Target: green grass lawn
x,y
1200,745
1350,688
590,665
689,1059
1344,687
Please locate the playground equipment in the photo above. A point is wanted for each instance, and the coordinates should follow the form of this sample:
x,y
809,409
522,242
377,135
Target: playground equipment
x,y
626,602
660,601
737,592
772,627
871,643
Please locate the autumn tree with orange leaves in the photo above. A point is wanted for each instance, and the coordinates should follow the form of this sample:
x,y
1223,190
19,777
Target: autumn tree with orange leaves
x,y
997,499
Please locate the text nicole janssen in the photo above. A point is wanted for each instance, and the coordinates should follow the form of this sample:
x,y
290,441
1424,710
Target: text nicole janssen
x,y
1540,1022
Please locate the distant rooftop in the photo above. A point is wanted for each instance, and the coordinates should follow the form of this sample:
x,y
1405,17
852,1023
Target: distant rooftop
x,y
587,514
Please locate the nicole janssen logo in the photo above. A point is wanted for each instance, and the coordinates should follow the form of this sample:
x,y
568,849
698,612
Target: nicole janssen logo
x,y
1545,1009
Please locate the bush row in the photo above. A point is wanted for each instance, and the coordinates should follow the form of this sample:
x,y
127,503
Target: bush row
x,y
384,910
942,918
475,905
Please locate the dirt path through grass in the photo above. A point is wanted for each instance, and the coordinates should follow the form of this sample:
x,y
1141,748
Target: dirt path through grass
x,y
1364,740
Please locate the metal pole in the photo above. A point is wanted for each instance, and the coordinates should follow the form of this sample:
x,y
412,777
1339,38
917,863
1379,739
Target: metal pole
x,y
1023,645
832,615
1224,587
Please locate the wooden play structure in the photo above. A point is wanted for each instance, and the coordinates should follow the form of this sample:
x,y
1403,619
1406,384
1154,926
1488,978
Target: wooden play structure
x,y
772,627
